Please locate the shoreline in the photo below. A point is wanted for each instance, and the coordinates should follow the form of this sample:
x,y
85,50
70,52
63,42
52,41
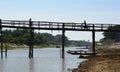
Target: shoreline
x,y
11,46
107,60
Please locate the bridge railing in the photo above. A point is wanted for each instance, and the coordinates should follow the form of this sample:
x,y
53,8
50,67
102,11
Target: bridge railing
x,y
15,23
55,25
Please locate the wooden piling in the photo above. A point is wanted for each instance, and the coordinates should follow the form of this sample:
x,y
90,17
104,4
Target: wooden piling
x,y
1,40
5,50
93,39
63,41
31,39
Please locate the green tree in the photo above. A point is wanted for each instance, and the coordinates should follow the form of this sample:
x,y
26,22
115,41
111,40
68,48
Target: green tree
x,y
114,36
48,38
58,40
22,36
26,39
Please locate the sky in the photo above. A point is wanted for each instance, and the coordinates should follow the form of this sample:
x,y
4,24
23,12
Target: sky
x,y
93,11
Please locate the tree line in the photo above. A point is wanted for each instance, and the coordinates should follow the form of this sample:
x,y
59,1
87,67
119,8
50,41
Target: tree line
x,y
111,36
22,36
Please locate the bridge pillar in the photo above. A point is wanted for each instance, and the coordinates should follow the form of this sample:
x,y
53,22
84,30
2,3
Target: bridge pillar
x,y
31,39
1,39
93,40
6,50
63,41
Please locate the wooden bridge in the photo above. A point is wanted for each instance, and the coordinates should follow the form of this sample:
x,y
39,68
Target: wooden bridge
x,y
44,25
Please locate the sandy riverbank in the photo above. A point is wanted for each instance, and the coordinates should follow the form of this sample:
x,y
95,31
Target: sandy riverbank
x,y
107,60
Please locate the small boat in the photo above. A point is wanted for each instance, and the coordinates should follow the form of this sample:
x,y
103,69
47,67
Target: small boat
x,y
76,52
79,52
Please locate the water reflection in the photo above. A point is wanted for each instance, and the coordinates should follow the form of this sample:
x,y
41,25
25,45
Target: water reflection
x,y
31,65
63,65
45,60
1,65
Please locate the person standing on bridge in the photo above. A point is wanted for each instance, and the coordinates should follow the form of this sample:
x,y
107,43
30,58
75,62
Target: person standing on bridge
x,y
85,25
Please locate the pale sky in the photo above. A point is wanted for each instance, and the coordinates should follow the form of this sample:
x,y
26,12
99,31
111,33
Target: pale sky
x,y
93,11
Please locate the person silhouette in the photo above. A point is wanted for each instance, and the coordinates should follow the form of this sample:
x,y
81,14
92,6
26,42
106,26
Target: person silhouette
x,y
85,25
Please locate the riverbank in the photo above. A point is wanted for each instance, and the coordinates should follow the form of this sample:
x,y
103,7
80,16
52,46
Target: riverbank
x,y
11,46
107,60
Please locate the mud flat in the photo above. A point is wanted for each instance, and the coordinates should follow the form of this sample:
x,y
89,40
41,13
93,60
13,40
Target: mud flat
x,y
107,60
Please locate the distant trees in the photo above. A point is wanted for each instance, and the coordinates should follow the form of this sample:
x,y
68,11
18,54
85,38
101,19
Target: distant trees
x,y
79,43
58,40
17,36
112,36
22,36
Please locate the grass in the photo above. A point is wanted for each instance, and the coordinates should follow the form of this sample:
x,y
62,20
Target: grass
x,y
101,47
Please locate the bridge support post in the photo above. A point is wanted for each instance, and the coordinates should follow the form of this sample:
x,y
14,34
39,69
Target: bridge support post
x,y
93,40
5,50
31,39
1,40
63,41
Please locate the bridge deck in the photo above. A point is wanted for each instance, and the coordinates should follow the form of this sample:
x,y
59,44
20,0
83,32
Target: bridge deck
x,y
44,25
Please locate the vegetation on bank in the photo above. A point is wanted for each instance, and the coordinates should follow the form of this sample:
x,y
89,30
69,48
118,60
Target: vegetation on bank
x,y
111,36
19,37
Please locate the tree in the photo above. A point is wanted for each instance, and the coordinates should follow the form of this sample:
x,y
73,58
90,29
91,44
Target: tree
x,y
48,38
58,40
114,36
22,36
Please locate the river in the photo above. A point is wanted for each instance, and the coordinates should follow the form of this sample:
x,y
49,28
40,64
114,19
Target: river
x,y
45,60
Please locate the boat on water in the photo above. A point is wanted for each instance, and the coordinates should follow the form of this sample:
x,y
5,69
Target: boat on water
x,y
79,52
75,52
83,47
